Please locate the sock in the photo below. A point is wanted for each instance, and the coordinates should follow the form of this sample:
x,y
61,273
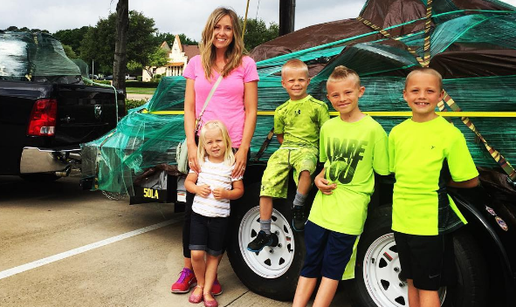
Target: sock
x,y
299,199
265,225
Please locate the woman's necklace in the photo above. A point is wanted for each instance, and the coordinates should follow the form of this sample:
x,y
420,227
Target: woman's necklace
x,y
219,66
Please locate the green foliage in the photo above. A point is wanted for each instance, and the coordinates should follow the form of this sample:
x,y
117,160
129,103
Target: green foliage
x,y
164,37
72,37
24,29
169,38
99,41
257,32
156,78
133,103
187,41
69,52
156,59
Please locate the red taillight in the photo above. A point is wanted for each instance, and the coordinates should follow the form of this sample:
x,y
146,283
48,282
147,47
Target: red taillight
x,y
43,118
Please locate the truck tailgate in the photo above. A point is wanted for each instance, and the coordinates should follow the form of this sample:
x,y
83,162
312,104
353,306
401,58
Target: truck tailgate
x,y
85,112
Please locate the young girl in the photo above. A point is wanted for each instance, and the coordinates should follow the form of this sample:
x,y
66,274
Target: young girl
x,y
213,187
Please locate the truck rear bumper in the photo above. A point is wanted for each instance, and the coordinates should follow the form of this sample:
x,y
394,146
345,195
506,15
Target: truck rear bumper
x,y
39,160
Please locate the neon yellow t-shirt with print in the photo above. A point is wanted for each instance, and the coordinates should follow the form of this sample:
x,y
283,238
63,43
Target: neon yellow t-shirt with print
x,y
350,152
424,156
300,121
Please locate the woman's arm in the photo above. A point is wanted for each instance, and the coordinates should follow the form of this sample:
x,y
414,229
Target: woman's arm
x,y
190,125
251,109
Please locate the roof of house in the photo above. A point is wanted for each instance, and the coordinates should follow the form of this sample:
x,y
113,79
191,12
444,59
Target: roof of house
x,y
191,50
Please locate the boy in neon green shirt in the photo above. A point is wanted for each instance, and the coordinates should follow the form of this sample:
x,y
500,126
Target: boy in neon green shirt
x,y
352,145
296,123
426,153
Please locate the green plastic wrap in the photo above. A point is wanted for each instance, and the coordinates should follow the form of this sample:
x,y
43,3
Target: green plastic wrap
x,y
474,49
26,55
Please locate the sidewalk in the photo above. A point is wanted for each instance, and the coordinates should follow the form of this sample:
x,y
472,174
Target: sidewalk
x,y
139,96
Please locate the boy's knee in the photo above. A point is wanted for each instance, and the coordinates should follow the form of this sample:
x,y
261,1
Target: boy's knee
x,y
305,175
265,201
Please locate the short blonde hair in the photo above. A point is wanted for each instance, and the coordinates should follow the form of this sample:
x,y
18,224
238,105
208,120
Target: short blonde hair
x,y
426,70
229,157
342,72
236,49
294,64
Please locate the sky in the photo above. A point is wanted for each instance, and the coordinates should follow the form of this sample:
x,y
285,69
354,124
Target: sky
x,y
172,16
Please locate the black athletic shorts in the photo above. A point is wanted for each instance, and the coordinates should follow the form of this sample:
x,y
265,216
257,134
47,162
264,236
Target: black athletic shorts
x,y
208,233
427,260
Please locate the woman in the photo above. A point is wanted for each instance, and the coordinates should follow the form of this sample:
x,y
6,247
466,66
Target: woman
x,y
234,102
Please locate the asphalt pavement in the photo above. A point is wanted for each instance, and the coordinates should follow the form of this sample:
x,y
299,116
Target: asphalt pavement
x,y
62,246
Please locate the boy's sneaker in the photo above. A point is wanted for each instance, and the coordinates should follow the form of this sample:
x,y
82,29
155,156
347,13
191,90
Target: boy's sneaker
x,y
216,289
185,282
299,219
262,240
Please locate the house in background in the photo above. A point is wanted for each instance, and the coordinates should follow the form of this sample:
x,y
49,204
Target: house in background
x,y
178,57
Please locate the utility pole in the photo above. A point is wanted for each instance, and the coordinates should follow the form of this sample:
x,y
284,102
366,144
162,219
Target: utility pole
x,y
120,60
287,12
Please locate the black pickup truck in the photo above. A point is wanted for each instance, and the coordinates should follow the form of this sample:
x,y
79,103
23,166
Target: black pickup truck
x,y
46,109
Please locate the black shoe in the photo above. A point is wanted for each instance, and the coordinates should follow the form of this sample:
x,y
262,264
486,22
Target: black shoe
x,y
262,240
298,219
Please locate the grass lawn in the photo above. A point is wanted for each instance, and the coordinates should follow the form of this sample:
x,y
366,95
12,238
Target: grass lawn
x,y
140,90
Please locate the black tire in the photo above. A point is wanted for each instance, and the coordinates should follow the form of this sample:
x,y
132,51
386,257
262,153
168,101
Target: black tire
x,y
472,275
376,281
273,272
39,177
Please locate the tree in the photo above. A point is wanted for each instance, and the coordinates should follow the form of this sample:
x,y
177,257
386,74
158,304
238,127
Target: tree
x,y
24,29
69,52
99,42
257,32
72,37
156,59
120,58
164,37
187,41
169,38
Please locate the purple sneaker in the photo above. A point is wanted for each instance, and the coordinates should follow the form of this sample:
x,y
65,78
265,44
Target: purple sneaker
x,y
216,289
185,282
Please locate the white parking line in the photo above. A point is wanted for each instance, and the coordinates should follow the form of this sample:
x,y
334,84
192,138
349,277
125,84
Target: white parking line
x,y
82,249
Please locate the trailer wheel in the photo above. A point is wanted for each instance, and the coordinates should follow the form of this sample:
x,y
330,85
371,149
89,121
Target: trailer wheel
x,y
274,271
377,283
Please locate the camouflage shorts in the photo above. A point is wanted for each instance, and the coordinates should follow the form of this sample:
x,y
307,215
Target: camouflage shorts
x,y
275,176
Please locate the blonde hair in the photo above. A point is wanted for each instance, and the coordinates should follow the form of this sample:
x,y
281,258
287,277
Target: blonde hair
x,y
294,64
342,72
426,70
236,49
229,157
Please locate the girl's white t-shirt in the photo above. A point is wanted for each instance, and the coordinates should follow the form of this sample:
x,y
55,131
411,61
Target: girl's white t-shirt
x,y
215,175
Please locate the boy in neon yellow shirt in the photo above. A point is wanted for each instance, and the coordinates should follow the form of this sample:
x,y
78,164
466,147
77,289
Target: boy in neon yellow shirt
x,y
296,123
427,153
352,145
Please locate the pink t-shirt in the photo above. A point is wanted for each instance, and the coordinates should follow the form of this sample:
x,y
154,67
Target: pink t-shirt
x,y
227,103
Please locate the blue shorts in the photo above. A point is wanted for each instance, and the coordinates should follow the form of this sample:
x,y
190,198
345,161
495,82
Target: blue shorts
x,y
327,252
